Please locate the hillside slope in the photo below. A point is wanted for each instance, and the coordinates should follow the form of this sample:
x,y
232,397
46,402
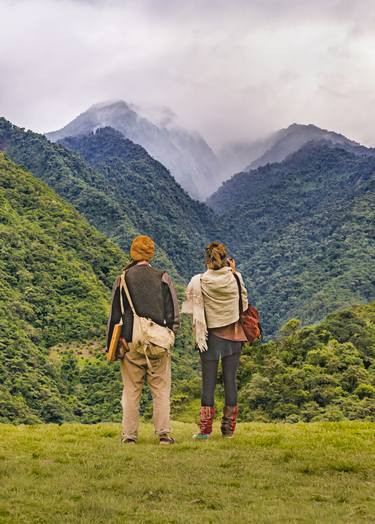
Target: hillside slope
x,y
319,372
56,275
56,272
73,179
304,232
186,154
150,196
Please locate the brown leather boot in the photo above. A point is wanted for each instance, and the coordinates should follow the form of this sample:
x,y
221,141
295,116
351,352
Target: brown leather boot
x,y
207,414
228,422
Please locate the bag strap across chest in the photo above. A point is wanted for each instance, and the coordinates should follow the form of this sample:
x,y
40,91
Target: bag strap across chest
x,y
124,285
240,303
121,302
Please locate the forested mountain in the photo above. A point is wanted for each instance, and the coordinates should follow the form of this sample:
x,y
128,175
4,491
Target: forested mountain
x,y
73,179
286,141
186,154
150,197
56,276
56,272
318,372
238,156
303,231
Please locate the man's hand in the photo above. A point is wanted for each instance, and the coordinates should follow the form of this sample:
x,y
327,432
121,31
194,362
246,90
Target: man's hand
x,y
124,344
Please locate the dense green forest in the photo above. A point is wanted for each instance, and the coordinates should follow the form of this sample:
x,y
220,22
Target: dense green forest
x,y
301,230
304,232
131,192
319,372
151,197
75,181
56,275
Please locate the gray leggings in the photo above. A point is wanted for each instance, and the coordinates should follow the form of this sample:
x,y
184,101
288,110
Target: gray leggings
x,y
209,376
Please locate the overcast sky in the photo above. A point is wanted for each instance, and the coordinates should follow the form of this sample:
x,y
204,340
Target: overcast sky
x,y
233,70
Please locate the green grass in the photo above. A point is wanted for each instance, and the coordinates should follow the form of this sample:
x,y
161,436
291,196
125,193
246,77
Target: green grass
x,y
321,472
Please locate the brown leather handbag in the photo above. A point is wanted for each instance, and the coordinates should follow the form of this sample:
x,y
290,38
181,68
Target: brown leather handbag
x,y
249,319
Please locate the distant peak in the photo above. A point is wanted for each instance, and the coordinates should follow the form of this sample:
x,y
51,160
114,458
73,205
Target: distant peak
x,y
121,104
295,125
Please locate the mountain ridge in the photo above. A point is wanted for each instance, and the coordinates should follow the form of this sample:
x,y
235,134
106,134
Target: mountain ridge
x,y
153,200
187,155
237,157
75,181
289,140
304,231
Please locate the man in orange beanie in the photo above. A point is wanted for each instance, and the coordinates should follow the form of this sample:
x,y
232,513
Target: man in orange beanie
x,y
154,297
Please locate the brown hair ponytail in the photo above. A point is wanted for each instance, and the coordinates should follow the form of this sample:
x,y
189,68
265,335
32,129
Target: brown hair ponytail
x,y
215,255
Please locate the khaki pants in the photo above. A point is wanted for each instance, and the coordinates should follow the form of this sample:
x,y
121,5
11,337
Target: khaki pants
x,y
133,370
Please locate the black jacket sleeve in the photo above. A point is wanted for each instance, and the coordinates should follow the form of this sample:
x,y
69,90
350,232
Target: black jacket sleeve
x,y
171,310
115,314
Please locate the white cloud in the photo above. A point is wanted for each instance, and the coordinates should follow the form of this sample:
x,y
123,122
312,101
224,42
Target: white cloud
x,y
232,70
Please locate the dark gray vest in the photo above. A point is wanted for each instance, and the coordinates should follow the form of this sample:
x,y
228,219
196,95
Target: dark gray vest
x,y
145,287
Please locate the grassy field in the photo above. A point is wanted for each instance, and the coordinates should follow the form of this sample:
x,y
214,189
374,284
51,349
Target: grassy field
x,y
323,472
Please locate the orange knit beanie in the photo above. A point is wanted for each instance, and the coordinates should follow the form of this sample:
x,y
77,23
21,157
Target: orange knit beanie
x,y
142,248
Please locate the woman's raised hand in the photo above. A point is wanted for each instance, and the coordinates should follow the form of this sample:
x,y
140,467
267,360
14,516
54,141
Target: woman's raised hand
x,y
232,264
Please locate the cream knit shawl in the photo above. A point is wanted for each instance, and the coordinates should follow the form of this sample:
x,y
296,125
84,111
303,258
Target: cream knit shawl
x,y
212,301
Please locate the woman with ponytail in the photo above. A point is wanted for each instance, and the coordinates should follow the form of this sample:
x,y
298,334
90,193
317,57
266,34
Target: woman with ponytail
x,y
212,300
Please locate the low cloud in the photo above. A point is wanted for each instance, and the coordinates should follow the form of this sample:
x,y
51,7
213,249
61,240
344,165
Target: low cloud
x,y
233,71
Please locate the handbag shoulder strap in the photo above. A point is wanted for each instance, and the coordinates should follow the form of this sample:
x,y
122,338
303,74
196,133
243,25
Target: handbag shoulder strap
x,y
121,300
126,289
240,304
